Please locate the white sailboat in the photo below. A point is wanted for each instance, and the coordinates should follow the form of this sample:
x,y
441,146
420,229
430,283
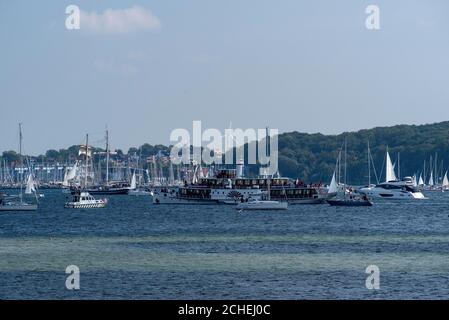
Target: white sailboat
x,y
263,204
390,175
445,184
13,204
431,183
420,181
268,204
349,198
31,186
414,181
70,174
333,188
133,185
134,190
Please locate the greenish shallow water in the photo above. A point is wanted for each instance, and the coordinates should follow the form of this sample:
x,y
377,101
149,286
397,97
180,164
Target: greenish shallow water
x,y
135,250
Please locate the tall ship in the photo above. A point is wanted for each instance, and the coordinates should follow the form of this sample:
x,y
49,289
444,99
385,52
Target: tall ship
x,y
81,198
105,187
229,186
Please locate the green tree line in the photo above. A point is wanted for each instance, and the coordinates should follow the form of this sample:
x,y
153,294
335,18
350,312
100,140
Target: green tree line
x,y
312,157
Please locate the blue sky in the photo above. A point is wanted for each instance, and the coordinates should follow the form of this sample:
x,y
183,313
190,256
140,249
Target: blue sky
x,y
309,66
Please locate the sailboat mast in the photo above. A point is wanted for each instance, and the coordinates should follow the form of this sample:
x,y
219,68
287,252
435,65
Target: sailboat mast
x,y
339,167
268,188
107,156
345,166
435,169
424,171
20,160
87,161
369,167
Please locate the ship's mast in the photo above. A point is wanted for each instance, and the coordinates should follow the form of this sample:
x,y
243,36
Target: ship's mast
x,y
107,157
20,160
369,167
87,161
345,167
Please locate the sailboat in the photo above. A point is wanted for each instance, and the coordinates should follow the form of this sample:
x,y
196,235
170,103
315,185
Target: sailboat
x,y
349,199
81,198
11,204
263,204
414,181
333,188
135,190
431,183
445,184
420,181
393,188
31,187
268,204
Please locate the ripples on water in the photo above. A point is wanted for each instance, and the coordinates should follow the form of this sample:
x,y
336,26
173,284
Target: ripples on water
x,y
135,250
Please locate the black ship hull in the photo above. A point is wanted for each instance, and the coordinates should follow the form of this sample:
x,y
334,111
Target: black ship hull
x,y
104,191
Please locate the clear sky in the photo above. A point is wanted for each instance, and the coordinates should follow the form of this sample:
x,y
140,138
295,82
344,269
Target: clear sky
x,y
310,66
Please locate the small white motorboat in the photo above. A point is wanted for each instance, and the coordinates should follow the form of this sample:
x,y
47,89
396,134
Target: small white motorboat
x,y
83,200
263,205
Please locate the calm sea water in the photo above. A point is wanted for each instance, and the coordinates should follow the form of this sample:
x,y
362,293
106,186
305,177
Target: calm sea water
x,y
135,250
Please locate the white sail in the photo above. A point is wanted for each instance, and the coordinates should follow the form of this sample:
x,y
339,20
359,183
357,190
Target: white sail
x,y
389,174
333,186
415,183
431,183
82,150
71,174
421,181
171,177
200,172
30,188
133,182
445,180
65,183
195,178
